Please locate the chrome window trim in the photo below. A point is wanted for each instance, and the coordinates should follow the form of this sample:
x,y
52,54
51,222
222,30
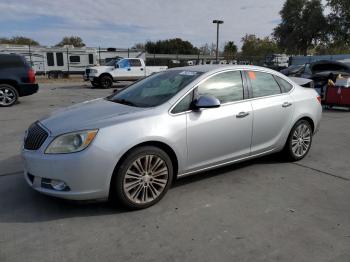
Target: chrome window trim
x,y
233,102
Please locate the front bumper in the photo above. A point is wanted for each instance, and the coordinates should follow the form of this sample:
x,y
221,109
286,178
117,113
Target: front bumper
x,y
87,173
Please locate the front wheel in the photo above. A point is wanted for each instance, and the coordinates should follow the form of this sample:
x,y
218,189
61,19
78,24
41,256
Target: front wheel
x,y
143,178
94,84
8,95
299,141
106,82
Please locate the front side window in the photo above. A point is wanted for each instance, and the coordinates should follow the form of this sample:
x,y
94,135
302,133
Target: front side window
x,y
263,84
227,87
124,63
155,89
184,105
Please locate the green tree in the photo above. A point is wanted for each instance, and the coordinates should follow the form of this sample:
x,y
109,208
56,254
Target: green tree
x,y
339,20
303,26
76,41
255,49
171,46
230,50
19,40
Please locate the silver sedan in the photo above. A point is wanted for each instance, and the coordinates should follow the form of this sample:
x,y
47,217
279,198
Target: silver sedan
x,y
129,147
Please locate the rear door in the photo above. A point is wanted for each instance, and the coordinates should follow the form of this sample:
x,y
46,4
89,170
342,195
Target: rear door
x,y
272,110
219,135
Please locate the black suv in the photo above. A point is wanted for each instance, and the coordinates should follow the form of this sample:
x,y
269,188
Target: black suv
x,y
17,78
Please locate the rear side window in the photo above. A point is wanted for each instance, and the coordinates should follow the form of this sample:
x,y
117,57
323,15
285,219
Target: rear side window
x,y
135,63
50,61
263,84
74,59
59,59
227,87
10,61
285,86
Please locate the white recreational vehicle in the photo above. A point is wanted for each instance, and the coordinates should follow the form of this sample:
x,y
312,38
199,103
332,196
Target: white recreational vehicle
x,y
57,61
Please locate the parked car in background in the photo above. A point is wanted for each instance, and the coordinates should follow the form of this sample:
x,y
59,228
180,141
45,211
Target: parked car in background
x,y
123,70
17,79
320,72
131,145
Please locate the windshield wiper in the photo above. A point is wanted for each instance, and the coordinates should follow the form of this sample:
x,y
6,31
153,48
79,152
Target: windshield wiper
x,y
124,102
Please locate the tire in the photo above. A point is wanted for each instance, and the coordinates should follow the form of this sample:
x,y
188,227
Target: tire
x,y
8,95
106,82
135,185
94,84
299,141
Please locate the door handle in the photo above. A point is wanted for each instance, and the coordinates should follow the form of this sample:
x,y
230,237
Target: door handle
x,y
286,104
242,114
141,69
129,69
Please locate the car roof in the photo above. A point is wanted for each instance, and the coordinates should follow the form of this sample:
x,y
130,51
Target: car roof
x,y
216,68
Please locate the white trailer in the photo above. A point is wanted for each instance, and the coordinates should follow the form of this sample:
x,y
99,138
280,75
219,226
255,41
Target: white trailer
x,y
57,61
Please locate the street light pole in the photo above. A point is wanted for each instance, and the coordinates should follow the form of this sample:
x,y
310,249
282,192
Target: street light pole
x,y
217,22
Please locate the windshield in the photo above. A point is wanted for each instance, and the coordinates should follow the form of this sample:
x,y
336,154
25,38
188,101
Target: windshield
x,y
156,89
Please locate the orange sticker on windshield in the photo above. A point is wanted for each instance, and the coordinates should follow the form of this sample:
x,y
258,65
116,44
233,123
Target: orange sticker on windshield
x,y
252,75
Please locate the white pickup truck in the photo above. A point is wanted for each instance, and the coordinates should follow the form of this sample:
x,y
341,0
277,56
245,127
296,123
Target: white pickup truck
x,y
127,69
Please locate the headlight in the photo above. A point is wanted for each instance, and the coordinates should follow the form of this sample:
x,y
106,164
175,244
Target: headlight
x,y
93,71
71,142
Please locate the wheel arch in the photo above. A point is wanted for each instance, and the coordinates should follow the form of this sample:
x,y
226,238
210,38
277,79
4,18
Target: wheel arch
x,y
105,74
165,147
308,119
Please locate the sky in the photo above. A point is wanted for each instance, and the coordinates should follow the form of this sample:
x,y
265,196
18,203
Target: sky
x,y
122,23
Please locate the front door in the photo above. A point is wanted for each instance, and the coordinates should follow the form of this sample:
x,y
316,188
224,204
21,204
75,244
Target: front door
x,y
219,135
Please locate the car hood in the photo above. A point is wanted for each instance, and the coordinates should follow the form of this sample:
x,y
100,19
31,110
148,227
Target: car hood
x,y
92,114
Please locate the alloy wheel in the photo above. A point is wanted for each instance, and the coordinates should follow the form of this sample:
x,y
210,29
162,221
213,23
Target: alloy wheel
x,y
301,140
7,96
145,179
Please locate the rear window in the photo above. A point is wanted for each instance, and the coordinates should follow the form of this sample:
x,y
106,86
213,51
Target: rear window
x,y
11,61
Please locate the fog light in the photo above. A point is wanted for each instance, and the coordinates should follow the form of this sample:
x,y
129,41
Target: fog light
x,y
59,185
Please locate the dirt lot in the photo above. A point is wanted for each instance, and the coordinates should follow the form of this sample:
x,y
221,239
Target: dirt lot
x,y
261,210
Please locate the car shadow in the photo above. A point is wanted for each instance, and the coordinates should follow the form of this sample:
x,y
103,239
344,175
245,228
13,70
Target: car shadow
x,y
21,204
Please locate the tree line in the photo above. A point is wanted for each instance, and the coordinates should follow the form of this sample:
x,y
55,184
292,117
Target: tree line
x,y
304,29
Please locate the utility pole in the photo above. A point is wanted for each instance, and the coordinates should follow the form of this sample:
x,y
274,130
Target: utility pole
x,y
217,22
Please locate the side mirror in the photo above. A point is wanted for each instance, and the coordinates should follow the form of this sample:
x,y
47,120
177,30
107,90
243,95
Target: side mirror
x,y
205,101
116,65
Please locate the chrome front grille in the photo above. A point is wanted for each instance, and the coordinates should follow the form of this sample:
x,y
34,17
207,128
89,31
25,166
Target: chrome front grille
x,y
35,137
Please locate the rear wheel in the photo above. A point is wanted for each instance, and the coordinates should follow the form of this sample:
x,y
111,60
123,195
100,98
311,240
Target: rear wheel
x,y
143,178
106,82
8,95
299,141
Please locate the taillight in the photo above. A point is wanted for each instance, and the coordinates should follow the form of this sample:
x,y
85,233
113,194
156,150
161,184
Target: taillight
x,y
31,76
319,99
